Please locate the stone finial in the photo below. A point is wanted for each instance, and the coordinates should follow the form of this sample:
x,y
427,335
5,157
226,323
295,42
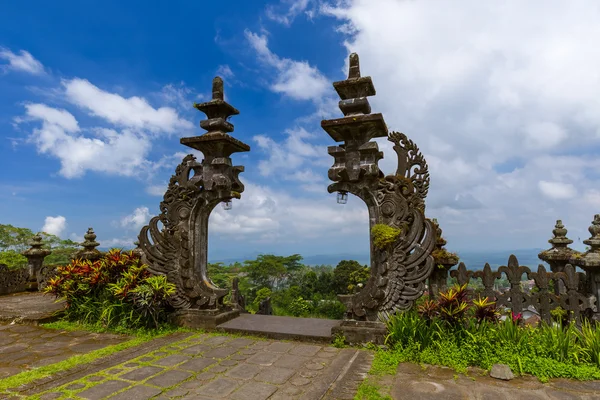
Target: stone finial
x,y
89,251
559,254
590,261
217,88
35,258
560,239
36,249
354,69
594,240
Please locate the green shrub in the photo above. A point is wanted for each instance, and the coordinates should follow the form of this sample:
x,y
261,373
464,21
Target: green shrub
x,y
445,332
299,307
116,290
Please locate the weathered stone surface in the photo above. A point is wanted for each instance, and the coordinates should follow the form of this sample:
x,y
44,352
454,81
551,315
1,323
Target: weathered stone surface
x,y
254,391
137,392
169,378
264,359
501,371
282,328
29,307
172,360
197,364
103,390
141,373
219,388
275,375
244,371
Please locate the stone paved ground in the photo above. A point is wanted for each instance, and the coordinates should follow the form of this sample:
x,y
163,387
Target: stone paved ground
x,y
23,347
415,382
209,366
205,366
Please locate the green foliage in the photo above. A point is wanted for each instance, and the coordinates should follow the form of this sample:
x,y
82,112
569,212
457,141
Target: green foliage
x,y
299,307
384,235
269,270
116,290
458,333
348,273
546,352
12,259
339,341
261,295
15,240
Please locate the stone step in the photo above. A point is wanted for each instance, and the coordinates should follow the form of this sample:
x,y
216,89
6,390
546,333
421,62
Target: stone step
x,y
282,328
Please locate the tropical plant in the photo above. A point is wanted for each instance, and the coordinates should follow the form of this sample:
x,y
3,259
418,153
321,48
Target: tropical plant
x,y
115,290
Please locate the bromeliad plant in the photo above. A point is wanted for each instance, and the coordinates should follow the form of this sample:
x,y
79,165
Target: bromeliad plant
x,y
454,308
116,290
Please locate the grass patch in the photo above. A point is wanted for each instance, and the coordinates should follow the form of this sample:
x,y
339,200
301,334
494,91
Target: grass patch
x,y
99,328
369,390
26,377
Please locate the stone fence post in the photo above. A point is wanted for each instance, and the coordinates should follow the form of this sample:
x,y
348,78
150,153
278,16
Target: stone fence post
x,y
559,254
590,263
35,258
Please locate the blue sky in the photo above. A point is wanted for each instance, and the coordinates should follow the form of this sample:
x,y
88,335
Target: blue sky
x,y
502,100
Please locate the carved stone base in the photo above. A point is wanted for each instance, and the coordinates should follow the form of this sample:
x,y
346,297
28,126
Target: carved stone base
x,y
202,319
357,332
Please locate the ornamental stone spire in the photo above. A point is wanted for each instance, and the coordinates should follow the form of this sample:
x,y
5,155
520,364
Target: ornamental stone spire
x,y
35,258
590,260
89,251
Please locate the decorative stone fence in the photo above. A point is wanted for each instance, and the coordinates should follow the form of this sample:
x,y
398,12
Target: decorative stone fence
x,y
36,275
563,286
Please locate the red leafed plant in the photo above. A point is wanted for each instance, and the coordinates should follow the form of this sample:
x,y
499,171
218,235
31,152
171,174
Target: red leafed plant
x,y
116,289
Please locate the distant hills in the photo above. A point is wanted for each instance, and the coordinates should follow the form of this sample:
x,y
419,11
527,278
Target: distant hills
x,y
473,260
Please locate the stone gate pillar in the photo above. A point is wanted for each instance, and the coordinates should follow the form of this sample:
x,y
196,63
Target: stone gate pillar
x,y
396,204
179,249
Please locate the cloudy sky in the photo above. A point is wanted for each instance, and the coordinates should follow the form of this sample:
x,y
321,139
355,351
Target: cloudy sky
x,y
502,98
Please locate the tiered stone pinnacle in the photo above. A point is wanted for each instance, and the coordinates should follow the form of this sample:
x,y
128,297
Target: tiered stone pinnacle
x,y
357,157
590,261
89,251
560,253
216,142
36,249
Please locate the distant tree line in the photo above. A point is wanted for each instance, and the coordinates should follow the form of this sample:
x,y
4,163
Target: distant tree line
x,y
15,240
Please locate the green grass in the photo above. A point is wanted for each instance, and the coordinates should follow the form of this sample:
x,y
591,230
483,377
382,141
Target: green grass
x,y
26,377
139,336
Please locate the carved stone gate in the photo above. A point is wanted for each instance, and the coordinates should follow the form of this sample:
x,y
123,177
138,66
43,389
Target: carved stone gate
x,y
174,243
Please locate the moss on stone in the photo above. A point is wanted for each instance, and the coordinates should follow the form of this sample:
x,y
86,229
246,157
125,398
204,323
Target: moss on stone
x,y
384,235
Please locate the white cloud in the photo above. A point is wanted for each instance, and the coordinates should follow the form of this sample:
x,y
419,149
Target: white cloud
x,y
557,190
225,72
482,86
292,9
133,112
296,79
137,219
123,242
55,225
119,153
267,215
287,156
156,190
24,61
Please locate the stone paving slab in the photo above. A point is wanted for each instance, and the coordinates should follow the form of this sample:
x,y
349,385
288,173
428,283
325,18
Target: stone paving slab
x,y
220,367
281,327
29,308
23,347
415,382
